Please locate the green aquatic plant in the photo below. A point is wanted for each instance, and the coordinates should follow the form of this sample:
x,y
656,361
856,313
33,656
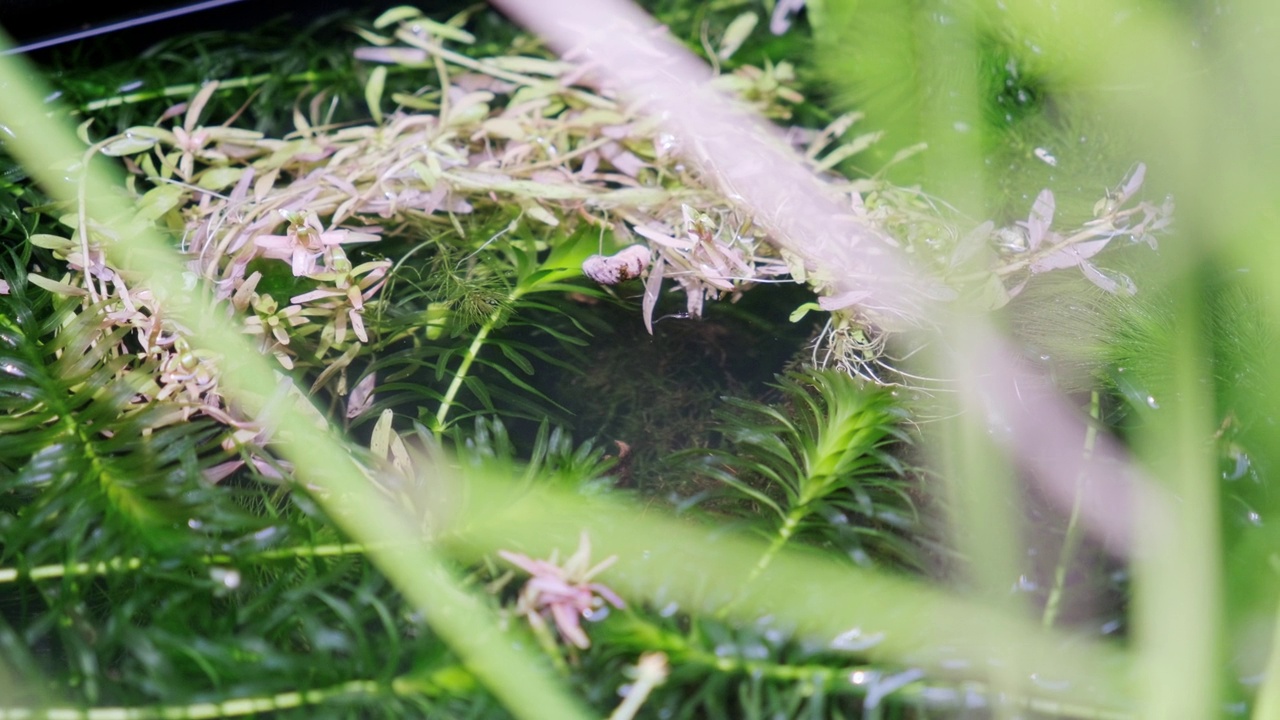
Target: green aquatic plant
x,y
819,466
470,315
78,448
120,546
291,619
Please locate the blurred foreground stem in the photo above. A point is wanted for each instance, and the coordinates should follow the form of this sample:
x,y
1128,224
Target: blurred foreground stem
x,y
1268,701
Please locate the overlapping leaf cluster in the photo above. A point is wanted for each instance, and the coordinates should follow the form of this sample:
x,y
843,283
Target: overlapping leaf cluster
x,y
423,262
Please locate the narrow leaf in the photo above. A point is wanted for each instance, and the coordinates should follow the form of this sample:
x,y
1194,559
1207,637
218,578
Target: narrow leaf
x,y
1040,219
737,32
652,286
373,92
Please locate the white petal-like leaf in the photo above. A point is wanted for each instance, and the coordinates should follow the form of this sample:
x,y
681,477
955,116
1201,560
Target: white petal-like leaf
x,y
1040,219
652,286
1116,283
736,33
1133,183
1069,256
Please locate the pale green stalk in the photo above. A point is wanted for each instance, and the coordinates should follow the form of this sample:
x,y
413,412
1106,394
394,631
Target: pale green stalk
x,y
1071,542
473,351
1178,579
785,531
51,572
237,707
1267,705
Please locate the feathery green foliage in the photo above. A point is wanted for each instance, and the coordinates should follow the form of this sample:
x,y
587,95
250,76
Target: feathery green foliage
x,y
141,577
819,466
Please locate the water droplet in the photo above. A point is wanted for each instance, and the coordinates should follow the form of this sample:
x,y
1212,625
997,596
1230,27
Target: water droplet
x,y
1151,403
194,524
596,614
1242,466
858,677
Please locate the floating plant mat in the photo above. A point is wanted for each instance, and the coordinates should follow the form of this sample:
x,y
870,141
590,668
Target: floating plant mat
x,y
509,179
422,266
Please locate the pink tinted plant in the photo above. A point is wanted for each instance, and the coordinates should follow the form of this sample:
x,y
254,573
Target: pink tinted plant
x,y
306,241
563,593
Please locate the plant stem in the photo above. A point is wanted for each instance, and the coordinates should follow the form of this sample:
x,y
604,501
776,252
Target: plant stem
x,y
187,89
651,671
1071,542
469,358
785,532
49,572
789,525
227,708
863,680
1267,704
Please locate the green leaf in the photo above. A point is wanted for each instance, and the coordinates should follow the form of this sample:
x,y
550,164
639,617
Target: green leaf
x,y
373,90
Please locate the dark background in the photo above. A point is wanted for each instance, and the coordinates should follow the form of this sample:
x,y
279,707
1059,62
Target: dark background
x,y
35,23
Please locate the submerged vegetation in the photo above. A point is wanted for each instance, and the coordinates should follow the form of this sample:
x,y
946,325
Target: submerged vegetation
x,y
516,409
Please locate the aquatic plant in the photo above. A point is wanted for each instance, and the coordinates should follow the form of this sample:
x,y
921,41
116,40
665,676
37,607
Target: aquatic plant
x,y
320,576
820,466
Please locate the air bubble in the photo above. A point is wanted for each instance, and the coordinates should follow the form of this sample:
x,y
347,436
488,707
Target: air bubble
x,y
227,577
